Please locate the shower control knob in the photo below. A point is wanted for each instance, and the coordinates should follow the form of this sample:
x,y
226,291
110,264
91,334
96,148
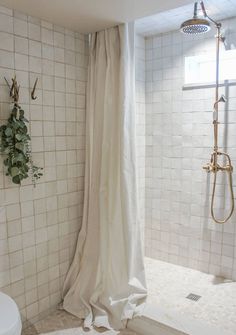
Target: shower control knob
x,y
215,168
207,167
228,168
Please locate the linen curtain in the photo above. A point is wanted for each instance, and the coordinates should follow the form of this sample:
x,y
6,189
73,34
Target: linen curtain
x,y
105,284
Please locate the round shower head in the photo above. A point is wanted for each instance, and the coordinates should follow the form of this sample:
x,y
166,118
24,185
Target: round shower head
x,y
195,26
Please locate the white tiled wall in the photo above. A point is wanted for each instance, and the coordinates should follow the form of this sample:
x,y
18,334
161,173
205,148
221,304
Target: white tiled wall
x,y
179,140
38,226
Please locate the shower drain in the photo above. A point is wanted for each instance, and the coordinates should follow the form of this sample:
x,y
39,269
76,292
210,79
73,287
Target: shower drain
x,y
193,297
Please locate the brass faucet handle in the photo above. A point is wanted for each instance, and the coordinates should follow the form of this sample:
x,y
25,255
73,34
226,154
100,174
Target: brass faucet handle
x,y
207,167
228,168
211,167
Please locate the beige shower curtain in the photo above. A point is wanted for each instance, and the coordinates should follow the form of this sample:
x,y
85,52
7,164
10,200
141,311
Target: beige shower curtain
x,y
106,282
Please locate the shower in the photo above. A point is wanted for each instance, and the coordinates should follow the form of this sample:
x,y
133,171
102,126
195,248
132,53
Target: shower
x,y
198,25
195,25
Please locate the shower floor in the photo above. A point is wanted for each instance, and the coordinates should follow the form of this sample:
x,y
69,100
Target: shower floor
x,y
169,285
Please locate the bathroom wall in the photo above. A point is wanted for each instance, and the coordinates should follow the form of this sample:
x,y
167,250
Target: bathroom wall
x,y
140,124
38,226
179,141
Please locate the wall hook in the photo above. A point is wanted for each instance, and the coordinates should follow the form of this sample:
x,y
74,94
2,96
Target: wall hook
x,y
9,86
33,97
14,89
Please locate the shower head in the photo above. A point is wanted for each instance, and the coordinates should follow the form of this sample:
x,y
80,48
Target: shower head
x,y
196,25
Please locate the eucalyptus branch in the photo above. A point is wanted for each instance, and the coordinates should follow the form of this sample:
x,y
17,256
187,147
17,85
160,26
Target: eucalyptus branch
x,y
16,144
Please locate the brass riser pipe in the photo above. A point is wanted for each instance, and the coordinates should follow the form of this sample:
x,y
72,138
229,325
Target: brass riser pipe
x,y
213,166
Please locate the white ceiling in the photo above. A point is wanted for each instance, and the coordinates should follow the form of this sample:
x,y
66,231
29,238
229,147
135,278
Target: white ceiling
x,y
91,15
172,19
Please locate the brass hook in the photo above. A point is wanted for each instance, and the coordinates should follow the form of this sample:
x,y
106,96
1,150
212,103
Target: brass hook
x,y
14,89
9,86
33,97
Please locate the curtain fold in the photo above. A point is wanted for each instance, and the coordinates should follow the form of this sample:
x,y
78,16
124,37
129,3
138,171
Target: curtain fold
x,y
105,284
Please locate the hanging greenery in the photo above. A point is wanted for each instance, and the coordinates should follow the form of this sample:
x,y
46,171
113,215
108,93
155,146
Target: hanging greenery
x,y
15,145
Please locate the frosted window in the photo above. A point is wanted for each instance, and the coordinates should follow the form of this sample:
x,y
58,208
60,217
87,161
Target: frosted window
x,y
202,69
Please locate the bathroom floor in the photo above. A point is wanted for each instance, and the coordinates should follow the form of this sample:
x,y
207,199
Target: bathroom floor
x,y
168,287
170,284
60,322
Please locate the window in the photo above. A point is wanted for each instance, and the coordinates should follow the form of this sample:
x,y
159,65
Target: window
x,y
202,69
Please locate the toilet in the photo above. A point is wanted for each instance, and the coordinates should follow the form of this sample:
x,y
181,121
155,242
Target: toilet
x,y
10,321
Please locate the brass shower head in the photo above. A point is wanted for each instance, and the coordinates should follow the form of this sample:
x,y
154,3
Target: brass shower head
x,y
196,25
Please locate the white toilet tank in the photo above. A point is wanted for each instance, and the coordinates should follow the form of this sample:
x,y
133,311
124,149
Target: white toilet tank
x,y
10,321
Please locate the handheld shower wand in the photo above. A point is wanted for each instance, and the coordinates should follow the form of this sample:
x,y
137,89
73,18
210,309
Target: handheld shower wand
x,y
197,26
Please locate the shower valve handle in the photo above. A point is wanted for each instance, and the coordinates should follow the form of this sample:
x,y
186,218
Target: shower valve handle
x,y
215,168
207,168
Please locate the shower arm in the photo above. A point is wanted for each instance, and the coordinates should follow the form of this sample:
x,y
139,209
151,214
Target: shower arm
x,y
217,24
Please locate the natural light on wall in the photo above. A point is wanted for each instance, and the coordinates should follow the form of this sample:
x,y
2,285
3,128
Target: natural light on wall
x,y
201,69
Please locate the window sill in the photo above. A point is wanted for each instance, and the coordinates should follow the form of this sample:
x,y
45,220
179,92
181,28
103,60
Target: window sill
x,y
208,85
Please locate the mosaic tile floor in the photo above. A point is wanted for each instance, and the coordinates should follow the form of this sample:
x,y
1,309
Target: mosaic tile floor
x,y
168,287
63,323
169,284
